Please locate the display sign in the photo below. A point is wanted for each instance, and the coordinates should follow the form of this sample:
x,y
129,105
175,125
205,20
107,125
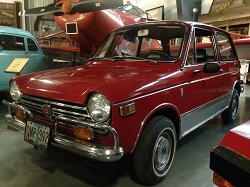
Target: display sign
x,y
7,14
17,65
223,7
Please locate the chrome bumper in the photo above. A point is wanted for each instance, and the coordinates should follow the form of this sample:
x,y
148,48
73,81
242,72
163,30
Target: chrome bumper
x,y
105,154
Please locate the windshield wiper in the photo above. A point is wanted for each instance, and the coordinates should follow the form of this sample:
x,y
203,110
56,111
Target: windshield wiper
x,y
122,58
133,57
98,58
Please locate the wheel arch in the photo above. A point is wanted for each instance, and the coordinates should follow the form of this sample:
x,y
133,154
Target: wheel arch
x,y
237,86
168,110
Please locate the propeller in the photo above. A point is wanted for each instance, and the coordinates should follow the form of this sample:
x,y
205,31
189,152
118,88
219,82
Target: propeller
x,y
68,7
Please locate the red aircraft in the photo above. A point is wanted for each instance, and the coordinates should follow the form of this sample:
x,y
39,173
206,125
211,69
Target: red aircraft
x,y
88,22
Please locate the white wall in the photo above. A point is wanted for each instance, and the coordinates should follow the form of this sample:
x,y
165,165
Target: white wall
x,y
205,6
170,7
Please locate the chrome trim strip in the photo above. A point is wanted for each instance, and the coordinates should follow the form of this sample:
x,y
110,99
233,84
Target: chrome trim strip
x,y
55,103
58,111
204,105
30,103
203,114
104,126
14,122
203,122
17,106
104,154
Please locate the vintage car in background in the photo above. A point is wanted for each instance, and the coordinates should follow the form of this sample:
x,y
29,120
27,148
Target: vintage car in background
x,y
230,161
16,43
147,86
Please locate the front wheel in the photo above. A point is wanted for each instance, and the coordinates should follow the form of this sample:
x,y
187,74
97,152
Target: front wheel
x,y
155,151
230,114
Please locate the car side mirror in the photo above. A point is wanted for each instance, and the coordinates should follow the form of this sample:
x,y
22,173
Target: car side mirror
x,y
211,67
1,48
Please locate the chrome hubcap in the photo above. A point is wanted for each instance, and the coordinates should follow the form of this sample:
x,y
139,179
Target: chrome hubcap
x,y
162,152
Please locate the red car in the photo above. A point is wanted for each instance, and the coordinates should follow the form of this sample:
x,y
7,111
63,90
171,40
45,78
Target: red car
x,y
230,161
147,86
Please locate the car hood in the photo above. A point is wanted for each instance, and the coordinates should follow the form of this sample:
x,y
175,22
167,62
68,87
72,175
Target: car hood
x,y
116,81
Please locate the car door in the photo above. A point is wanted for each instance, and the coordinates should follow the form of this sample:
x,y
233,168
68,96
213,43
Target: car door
x,y
229,63
202,91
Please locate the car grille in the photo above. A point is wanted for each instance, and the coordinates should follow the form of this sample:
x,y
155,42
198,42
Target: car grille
x,y
35,105
71,28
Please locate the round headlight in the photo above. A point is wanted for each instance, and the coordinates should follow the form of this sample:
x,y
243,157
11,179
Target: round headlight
x,y
14,91
99,107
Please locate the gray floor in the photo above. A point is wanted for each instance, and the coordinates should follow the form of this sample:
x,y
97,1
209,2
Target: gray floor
x,y
22,165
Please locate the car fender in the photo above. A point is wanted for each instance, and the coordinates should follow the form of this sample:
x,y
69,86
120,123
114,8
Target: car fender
x,y
152,113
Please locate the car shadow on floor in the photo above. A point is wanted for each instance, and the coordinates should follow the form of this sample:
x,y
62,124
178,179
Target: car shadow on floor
x,y
86,170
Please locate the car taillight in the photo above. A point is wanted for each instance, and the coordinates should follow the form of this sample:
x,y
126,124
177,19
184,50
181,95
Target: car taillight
x,y
220,181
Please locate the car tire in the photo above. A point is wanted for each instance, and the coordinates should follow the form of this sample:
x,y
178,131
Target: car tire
x,y
230,114
155,151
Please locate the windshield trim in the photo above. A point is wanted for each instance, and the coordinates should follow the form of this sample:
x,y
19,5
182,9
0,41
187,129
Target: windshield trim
x,y
127,28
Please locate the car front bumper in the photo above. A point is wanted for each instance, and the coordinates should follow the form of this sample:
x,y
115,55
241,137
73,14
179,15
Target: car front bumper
x,y
106,154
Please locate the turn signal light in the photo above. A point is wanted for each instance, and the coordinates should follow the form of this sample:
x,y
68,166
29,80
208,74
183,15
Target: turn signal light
x,y
220,181
127,109
83,133
20,114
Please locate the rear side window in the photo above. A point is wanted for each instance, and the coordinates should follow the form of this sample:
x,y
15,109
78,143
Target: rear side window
x,y
31,45
12,43
225,47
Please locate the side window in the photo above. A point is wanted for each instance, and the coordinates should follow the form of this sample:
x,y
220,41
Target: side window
x,y
31,45
12,43
201,48
225,47
204,46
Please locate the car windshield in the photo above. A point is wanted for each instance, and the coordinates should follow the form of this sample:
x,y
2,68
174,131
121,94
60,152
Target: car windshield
x,y
159,42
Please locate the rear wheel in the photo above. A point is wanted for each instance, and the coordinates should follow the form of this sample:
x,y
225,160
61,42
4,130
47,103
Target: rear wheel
x,y
155,151
230,114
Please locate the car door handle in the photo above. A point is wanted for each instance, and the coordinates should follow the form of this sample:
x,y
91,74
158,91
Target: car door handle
x,y
196,71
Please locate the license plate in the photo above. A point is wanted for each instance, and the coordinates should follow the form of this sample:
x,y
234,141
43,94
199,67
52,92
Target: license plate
x,y
37,134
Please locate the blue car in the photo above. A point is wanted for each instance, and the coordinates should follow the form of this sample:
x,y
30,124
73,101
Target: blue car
x,y
17,43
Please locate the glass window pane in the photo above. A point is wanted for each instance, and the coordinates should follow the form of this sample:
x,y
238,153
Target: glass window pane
x,y
204,46
31,45
225,47
12,43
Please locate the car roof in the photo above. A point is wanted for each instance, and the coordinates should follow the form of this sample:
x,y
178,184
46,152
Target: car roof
x,y
190,23
14,31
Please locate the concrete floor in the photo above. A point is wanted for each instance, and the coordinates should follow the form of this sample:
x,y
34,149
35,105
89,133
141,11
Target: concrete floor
x,y
22,165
